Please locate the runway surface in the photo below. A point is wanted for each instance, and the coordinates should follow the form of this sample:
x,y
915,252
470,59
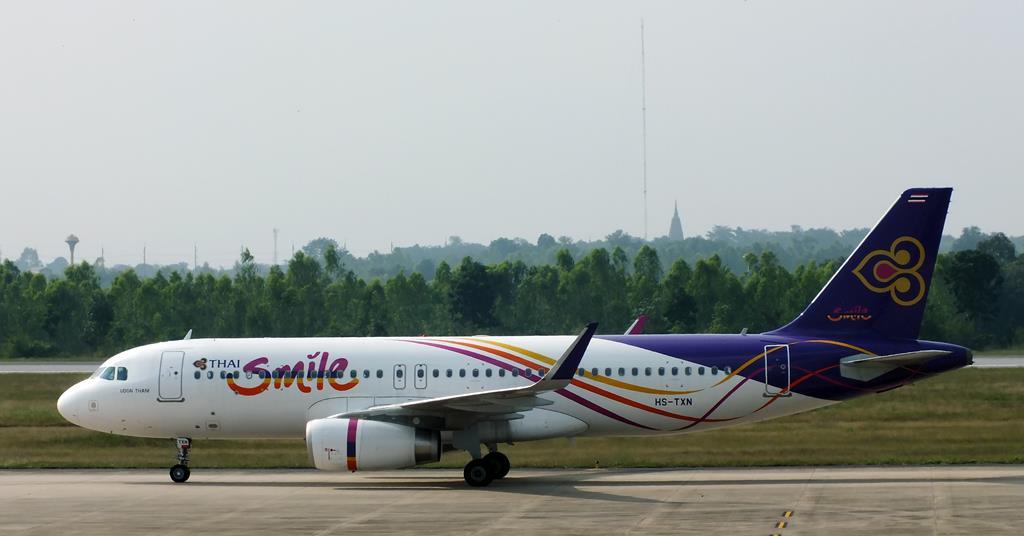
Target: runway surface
x,y
14,367
786,501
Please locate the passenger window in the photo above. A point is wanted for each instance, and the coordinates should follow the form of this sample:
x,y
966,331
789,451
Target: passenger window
x,y
579,372
448,373
236,374
366,374
462,373
608,372
476,373
108,373
647,371
122,373
501,373
437,372
622,372
675,371
399,373
661,371
594,371
353,373
714,371
728,370
198,375
515,373
487,373
542,372
420,373
223,374
380,373
209,375
636,371
689,371
700,371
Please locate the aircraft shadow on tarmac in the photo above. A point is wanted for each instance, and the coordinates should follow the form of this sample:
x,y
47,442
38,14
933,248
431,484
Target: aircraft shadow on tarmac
x,y
568,485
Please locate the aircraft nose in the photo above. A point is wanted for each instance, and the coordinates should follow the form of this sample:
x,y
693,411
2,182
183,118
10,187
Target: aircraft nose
x,y
68,405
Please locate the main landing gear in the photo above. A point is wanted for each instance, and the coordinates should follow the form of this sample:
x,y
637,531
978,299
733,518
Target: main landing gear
x,y
180,472
480,472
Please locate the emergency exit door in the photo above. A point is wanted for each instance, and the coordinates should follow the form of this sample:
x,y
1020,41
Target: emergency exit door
x,y
420,381
399,376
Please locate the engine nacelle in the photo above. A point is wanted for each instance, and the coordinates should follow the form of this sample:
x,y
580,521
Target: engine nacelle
x,y
355,444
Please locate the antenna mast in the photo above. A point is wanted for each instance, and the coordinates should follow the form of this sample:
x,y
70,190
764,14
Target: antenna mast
x,y
643,115
275,245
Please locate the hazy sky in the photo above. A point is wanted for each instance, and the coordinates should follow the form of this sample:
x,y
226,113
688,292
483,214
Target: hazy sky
x,y
173,123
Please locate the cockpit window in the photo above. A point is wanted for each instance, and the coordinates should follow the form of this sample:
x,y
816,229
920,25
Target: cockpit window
x,y
108,373
122,373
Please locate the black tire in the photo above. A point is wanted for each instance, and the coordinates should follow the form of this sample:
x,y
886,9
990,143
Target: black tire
x,y
180,473
478,473
500,464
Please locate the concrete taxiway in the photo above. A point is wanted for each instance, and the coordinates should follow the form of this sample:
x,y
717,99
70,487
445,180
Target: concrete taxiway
x,y
787,501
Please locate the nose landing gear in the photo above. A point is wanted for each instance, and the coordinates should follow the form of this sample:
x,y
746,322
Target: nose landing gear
x,y
180,471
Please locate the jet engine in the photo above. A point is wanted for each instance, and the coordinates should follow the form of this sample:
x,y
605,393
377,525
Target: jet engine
x,y
356,444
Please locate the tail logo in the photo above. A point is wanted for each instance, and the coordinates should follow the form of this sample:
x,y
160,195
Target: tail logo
x,y
895,271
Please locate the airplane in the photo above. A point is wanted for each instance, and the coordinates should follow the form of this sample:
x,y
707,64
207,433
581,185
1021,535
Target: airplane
x,y
392,402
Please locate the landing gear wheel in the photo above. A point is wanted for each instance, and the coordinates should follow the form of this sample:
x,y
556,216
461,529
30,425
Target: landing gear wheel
x,y
478,473
180,473
500,464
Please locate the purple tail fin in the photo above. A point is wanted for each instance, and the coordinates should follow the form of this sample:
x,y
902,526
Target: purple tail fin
x,y
882,287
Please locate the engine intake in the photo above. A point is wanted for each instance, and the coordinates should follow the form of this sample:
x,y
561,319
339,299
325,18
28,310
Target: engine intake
x,y
354,444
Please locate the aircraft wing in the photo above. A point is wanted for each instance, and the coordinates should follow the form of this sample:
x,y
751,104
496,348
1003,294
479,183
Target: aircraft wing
x,y
496,404
865,368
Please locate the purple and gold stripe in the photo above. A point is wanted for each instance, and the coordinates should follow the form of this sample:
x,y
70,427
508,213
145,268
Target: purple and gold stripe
x,y
350,444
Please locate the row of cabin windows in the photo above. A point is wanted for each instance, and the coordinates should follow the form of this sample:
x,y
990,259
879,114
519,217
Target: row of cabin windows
x,y
648,371
448,373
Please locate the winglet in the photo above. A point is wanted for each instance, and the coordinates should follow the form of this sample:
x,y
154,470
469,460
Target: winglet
x,y
564,369
188,335
637,327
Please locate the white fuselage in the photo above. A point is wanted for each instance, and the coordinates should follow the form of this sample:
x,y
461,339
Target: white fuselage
x,y
247,388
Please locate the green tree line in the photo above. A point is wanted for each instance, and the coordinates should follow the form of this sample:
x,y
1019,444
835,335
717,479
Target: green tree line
x,y
977,299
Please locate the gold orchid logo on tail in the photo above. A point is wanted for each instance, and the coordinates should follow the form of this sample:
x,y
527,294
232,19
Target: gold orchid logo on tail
x,y
895,271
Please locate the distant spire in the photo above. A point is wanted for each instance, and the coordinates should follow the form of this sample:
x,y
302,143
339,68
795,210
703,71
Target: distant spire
x,y
675,229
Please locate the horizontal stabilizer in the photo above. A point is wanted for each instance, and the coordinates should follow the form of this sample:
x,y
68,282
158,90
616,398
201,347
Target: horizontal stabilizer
x,y
868,367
